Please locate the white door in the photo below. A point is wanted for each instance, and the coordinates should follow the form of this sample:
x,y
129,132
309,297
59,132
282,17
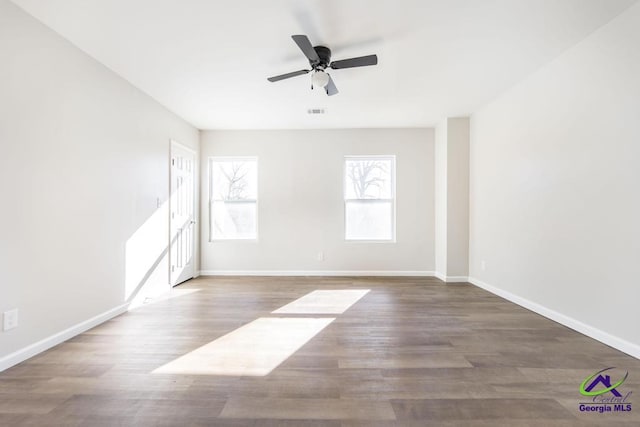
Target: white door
x,y
181,208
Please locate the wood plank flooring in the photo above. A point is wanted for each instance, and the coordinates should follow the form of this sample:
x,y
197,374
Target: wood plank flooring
x,y
411,352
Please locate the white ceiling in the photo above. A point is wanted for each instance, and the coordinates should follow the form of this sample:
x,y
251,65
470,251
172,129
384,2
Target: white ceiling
x,y
208,60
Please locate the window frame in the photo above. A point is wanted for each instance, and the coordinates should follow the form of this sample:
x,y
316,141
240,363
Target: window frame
x,y
255,201
392,200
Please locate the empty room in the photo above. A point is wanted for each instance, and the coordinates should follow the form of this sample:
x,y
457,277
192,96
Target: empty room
x,y
313,213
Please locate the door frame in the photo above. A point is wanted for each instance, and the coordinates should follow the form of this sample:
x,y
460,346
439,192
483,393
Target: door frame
x,y
173,143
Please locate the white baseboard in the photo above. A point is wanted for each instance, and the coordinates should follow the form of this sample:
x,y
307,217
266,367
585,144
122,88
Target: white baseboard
x,y
45,344
384,273
456,279
451,279
588,330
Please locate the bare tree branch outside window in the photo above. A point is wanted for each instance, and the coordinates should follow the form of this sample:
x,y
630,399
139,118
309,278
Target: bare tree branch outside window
x,y
369,198
234,198
366,177
236,182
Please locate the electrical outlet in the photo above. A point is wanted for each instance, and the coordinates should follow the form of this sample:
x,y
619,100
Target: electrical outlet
x,y
483,266
320,256
10,319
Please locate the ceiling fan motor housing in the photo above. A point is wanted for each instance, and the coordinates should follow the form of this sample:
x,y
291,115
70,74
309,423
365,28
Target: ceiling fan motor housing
x,y
324,53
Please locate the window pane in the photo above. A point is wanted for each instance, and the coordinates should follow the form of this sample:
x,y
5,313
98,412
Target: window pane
x,y
233,220
234,184
234,180
369,220
368,179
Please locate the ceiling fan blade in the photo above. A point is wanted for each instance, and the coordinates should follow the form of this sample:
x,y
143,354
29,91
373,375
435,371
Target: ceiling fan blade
x,y
361,61
331,87
288,75
305,46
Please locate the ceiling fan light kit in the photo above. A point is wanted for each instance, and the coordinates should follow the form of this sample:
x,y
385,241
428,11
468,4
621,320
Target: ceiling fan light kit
x,y
319,79
320,59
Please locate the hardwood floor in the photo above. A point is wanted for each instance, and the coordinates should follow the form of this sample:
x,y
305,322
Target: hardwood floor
x,y
410,352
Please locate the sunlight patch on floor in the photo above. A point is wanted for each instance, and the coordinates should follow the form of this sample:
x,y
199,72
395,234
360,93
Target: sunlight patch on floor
x,y
173,293
254,349
335,301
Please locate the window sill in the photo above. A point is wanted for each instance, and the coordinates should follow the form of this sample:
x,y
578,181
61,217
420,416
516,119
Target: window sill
x,y
369,241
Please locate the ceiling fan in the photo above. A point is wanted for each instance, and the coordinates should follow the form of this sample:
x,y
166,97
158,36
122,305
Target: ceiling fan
x,y
320,59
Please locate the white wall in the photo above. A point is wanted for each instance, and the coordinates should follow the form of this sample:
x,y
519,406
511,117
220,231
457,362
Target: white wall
x,y
296,223
85,156
441,198
555,203
457,198
452,199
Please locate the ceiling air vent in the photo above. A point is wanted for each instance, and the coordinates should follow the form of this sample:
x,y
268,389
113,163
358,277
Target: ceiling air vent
x,y
316,111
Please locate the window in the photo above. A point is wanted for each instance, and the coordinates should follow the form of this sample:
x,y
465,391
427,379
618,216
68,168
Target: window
x,y
233,198
369,197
